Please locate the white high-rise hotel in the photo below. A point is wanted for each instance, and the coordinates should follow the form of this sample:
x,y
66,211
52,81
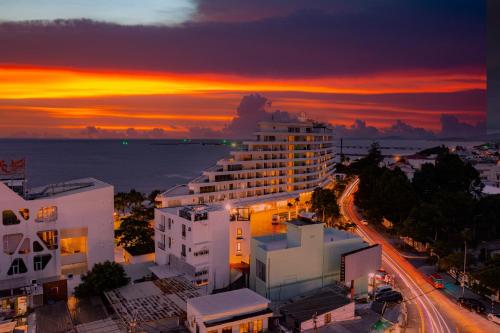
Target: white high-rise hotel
x,y
263,182
285,160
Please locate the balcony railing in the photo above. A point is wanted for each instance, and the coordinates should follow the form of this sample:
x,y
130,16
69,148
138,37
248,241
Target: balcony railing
x,y
161,227
161,245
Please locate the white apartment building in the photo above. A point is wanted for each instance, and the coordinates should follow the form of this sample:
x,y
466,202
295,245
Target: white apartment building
x,y
236,311
307,257
285,160
51,236
200,242
489,173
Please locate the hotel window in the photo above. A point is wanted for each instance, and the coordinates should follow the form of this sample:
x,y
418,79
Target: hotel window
x,y
227,329
239,233
46,214
245,327
257,326
261,270
169,242
183,250
25,213
183,231
169,223
238,247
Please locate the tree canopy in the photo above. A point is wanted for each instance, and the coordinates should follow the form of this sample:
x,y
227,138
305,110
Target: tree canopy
x,y
103,277
324,204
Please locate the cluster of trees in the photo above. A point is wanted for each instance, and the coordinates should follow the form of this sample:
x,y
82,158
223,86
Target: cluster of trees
x,y
442,205
135,233
103,277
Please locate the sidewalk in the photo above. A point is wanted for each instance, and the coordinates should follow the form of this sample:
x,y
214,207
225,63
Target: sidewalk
x,y
454,291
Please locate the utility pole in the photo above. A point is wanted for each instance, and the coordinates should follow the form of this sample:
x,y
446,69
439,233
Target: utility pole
x,y
465,263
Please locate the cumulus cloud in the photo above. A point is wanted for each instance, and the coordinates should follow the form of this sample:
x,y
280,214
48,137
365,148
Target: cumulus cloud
x,y
252,109
404,130
359,129
451,126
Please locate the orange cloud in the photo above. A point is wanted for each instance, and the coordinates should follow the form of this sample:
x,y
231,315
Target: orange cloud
x,y
18,82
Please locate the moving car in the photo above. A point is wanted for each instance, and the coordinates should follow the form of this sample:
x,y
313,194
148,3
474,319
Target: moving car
x,y
494,317
390,297
471,304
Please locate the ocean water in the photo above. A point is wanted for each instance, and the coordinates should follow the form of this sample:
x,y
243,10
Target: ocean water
x,y
141,164
147,164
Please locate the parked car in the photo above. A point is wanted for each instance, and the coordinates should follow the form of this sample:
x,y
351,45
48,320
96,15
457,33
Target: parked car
x,y
471,304
390,297
382,289
365,222
494,317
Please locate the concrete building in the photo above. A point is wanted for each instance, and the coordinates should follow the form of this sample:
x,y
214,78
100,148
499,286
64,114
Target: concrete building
x,y
489,173
237,311
200,242
307,257
322,308
51,236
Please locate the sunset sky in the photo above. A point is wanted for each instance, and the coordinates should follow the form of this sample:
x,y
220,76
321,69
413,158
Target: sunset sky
x,y
181,68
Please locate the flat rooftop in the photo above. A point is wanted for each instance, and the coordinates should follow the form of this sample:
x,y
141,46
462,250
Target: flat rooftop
x,y
278,241
176,191
227,302
319,303
66,188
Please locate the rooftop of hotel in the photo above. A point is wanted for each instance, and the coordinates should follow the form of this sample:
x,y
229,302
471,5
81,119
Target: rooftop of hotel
x,y
66,188
227,302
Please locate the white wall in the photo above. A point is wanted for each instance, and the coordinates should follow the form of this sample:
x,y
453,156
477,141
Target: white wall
x,y
89,209
343,313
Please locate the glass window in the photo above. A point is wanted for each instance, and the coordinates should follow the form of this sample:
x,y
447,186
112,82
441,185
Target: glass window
x,y
183,231
227,329
260,270
11,242
41,261
9,217
257,326
245,327
25,213
328,317
238,247
46,214
239,233
49,238
37,247
17,267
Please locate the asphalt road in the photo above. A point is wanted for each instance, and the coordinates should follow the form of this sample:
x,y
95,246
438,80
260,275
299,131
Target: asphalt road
x,y
429,310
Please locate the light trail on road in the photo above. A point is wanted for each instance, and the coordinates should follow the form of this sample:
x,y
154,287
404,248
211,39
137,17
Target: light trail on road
x,y
425,296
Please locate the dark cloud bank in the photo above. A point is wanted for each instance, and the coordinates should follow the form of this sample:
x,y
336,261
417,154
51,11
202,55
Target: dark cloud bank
x,y
267,38
254,108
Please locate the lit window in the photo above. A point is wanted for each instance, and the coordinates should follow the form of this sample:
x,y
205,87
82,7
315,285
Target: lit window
x,y
49,238
239,233
238,247
245,327
328,317
46,214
